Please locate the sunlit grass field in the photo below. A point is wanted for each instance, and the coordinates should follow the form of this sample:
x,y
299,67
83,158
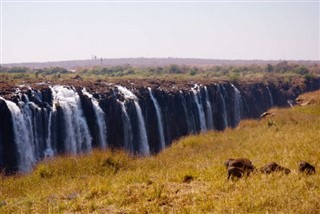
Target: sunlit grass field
x,y
188,177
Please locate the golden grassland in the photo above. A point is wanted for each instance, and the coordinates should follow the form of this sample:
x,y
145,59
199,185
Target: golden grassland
x,y
188,177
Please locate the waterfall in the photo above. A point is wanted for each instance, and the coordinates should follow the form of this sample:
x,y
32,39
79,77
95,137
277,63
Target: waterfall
x,y
143,144
208,110
31,120
197,99
224,109
270,96
59,119
191,126
159,119
237,97
144,149
290,102
127,129
100,119
77,136
26,156
49,151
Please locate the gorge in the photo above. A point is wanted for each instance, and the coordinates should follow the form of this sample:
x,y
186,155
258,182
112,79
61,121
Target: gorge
x,y
41,120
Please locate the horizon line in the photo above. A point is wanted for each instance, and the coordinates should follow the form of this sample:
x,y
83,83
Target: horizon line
x,y
159,58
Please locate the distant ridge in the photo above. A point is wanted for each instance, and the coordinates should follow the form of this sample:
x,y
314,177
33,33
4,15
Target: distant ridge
x,y
148,62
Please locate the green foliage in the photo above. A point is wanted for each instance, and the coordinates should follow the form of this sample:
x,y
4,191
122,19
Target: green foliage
x,y
19,70
302,70
193,71
174,69
308,77
269,68
234,77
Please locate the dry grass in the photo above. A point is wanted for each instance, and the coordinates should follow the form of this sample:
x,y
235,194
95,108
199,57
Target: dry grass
x,y
188,177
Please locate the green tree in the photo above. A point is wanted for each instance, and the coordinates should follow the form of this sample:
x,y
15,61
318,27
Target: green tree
x,y
174,69
302,70
269,68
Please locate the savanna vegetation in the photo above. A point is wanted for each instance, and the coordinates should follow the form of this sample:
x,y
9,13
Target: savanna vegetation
x,y
187,177
284,69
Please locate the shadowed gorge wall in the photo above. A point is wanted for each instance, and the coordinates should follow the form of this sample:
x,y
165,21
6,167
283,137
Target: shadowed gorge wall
x,y
40,122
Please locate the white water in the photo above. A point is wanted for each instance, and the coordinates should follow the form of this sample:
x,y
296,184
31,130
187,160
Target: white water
x,y
31,122
197,99
26,156
224,109
49,151
77,135
128,145
209,110
159,119
143,144
270,96
189,123
237,98
100,119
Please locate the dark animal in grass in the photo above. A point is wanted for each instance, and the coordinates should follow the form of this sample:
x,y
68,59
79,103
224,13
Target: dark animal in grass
x,y
232,161
235,172
307,168
274,167
239,167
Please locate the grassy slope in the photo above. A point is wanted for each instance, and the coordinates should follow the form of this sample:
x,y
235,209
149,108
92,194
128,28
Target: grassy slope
x,y
112,182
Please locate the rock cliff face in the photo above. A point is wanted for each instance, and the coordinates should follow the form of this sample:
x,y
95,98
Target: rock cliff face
x,y
43,120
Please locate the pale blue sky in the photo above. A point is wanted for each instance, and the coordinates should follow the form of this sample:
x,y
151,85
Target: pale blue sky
x,y
42,31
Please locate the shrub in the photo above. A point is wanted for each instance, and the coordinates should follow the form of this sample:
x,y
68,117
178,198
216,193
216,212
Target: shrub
x,y
43,171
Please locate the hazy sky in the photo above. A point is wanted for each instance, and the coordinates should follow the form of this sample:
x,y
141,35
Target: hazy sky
x,y
50,31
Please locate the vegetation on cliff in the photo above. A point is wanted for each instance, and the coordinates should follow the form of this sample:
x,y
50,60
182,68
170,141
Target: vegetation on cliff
x,y
173,71
187,177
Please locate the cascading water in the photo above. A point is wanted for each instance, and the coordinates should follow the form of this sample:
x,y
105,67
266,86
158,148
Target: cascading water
x,y
31,119
26,156
197,99
128,137
224,108
143,144
55,120
191,126
49,151
159,119
100,119
209,110
77,136
237,100
270,96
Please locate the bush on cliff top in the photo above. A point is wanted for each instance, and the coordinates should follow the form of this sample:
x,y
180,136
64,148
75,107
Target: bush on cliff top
x,y
188,177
